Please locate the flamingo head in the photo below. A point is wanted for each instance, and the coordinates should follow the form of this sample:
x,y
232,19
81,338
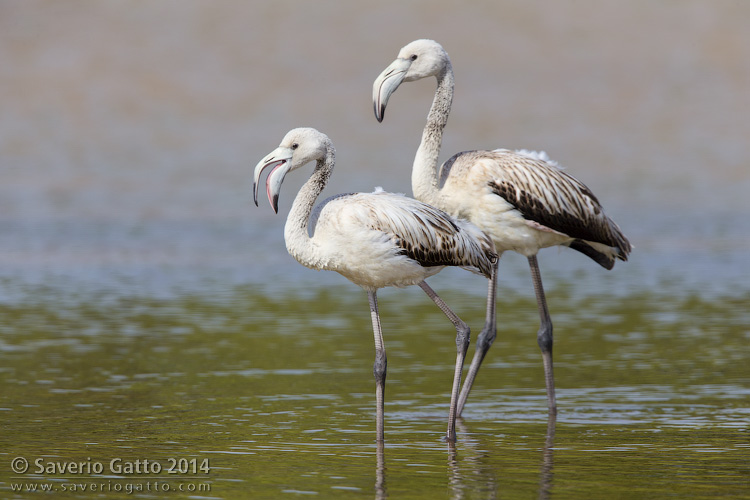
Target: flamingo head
x,y
299,147
419,59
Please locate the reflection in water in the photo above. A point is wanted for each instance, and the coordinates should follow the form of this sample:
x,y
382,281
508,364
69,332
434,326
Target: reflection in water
x,y
472,469
469,469
380,489
462,473
546,474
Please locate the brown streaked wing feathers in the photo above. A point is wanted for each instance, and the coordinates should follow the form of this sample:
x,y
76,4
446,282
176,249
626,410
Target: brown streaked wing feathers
x,y
431,237
545,194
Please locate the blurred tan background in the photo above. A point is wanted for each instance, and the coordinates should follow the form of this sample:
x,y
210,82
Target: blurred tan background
x,y
128,130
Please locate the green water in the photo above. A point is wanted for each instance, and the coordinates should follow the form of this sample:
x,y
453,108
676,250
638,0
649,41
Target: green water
x,y
272,396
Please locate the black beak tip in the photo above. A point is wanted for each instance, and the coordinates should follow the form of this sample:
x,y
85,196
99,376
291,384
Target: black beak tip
x,y
379,113
275,204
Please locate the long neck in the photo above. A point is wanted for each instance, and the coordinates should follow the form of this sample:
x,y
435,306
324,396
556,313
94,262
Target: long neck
x,y
296,235
424,176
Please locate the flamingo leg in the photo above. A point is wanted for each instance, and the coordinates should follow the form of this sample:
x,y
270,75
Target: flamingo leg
x,y
463,334
484,341
544,336
379,368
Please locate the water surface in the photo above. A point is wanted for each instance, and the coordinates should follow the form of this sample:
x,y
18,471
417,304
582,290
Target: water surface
x,y
277,394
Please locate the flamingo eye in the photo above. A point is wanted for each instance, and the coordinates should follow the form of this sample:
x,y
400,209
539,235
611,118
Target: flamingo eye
x,y
295,145
414,57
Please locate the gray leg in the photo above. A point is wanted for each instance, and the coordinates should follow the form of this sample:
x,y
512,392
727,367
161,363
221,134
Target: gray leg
x,y
544,336
484,341
462,344
379,368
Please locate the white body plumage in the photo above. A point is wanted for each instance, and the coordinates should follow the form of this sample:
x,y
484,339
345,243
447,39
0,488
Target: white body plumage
x,y
517,193
522,199
369,238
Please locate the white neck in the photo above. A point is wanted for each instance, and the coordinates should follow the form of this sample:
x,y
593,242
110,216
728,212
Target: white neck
x,y
299,243
424,175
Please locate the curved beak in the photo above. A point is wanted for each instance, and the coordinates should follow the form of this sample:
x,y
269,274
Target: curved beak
x,y
387,83
281,161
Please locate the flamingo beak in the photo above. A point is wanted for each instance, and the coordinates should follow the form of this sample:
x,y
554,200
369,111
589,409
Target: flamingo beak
x,y
280,160
387,83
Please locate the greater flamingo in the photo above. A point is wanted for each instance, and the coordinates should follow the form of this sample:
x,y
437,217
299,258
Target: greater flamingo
x,y
375,240
521,199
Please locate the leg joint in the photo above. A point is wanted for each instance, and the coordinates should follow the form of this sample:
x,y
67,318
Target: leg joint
x,y
380,368
544,336
487,336
463,336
